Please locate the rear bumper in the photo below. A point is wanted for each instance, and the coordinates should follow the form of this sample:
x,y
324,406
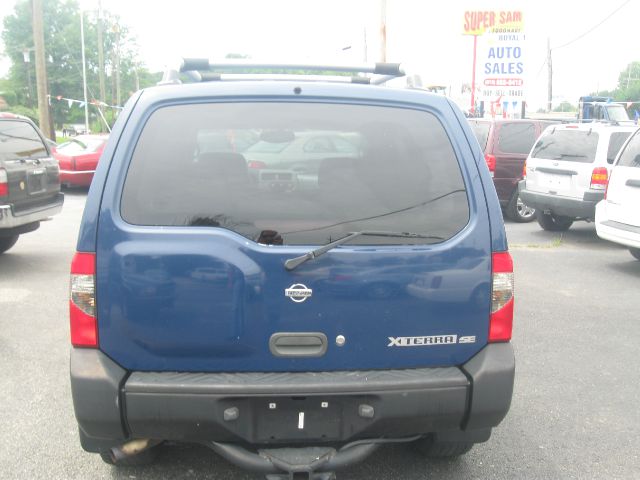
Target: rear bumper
x,y
11,220
570,207
627,235
73,177
113,405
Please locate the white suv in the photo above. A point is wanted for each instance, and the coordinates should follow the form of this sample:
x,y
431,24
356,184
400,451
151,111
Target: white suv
x,y
618,216
567,171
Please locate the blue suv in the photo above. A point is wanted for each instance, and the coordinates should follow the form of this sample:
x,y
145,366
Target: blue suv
x,y
292,313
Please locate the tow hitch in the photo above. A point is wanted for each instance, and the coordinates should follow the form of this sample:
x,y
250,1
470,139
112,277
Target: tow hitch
x,y
308,463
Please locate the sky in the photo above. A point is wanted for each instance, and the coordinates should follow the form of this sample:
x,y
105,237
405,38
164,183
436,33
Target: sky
x,y
425,36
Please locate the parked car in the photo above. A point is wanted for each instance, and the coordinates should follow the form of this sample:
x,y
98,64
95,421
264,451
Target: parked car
x,y
75,129
78,159
618,215
53,146
506,144
29,179
568,169
268,345
289,160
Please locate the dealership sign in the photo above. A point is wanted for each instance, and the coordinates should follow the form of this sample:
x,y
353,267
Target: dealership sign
x,y
501,65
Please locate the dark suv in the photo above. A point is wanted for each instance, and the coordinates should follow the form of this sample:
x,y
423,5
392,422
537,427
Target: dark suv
x,y
295,320
29,179
506,144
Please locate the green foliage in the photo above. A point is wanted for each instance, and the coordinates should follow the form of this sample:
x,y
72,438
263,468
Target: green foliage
x,y
629,83
32,113
566,107
64,59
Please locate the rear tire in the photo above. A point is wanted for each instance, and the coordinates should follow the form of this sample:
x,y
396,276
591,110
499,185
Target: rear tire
x,y
434,449
552,222
518,211
7,242
635,252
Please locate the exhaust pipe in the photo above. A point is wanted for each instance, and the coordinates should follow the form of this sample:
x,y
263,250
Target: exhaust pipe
x,y
134,447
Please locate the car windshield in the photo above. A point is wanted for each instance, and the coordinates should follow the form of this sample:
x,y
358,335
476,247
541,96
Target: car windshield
x,y
18,139
617,113
481,131
268,147
81,144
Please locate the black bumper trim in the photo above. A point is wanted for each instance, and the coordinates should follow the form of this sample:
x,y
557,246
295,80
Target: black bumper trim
x,y
285,383
191,406
95,388
584,207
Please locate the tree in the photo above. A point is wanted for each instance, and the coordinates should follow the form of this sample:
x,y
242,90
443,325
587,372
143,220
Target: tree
x,y
63,51
565,107
629,84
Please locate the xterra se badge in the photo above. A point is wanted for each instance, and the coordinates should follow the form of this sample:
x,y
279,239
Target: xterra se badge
x,y
430,340
298,292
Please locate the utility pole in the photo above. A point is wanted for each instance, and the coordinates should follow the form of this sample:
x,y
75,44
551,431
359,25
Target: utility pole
x,y
366,59
549,77
116,63
84,74
103,93
383,30
41,70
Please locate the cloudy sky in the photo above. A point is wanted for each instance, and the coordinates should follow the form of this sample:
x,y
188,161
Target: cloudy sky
x,y
425,36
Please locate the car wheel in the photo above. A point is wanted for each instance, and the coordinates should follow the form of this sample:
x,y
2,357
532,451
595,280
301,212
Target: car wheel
x,y
518,211
553,223
635,252
7,242
434,449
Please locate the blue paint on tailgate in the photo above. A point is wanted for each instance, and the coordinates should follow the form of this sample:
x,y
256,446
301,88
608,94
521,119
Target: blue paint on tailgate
x,y
207,299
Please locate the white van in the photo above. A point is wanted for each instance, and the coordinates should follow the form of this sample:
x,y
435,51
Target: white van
x,y
567,171
618,216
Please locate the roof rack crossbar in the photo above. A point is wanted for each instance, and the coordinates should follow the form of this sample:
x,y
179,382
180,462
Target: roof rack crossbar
x,y
203,64
211,77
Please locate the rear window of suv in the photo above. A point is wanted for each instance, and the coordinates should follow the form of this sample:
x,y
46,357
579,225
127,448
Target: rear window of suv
x,y
383,169
20,140
615,144
567,145
516,137
631,155
481,131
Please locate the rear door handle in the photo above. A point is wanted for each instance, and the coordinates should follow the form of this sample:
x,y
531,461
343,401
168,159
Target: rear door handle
x,y
298,344
633,183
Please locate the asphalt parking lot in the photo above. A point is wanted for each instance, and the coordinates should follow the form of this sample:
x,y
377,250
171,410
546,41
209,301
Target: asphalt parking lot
x,y
574,412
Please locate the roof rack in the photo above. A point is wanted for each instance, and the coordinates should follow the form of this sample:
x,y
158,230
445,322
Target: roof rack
x,y
203,70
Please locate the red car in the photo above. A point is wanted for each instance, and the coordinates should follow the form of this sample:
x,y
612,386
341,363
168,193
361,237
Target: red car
x,y
78,159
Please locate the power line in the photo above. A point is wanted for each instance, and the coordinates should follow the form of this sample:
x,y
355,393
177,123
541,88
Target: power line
x,y
594,27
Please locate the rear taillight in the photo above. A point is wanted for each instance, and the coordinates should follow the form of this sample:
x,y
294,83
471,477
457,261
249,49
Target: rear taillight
x,y
599,178
491,163
501,320
256,164
607,187
82,301
524,170
4,183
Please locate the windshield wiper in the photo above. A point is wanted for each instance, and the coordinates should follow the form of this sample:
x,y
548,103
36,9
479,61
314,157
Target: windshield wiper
x,y
296,261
